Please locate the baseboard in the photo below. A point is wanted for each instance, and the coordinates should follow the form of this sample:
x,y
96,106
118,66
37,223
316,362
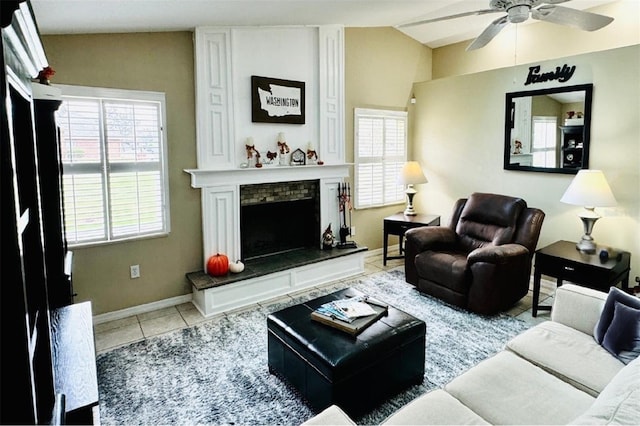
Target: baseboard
x,y
141,309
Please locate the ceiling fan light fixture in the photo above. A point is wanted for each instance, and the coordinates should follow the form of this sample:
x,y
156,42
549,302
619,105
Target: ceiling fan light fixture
x,y
518,14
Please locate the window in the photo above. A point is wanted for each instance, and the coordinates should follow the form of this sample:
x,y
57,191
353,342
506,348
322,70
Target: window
x,y
114,160
545,131
380,152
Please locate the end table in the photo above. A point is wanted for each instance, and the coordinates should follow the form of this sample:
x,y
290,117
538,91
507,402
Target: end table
x,y
564,261
398,224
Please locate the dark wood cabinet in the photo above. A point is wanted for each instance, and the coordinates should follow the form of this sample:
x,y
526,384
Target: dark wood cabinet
x,y
47,100
34,253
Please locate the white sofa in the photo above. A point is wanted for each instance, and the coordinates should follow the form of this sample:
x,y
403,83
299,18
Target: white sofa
x,y
553,373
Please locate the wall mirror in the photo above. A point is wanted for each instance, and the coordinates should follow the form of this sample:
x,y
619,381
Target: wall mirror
x,y
548,130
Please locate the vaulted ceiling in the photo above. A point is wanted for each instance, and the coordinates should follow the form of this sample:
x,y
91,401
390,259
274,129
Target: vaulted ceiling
x,y
105,16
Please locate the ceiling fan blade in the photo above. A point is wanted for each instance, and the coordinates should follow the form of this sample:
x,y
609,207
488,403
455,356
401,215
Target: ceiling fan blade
x,y
579,19
489,33
554,1
443,18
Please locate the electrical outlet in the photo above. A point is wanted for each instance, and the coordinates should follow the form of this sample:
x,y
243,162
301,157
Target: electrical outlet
x,y
135,271
353,231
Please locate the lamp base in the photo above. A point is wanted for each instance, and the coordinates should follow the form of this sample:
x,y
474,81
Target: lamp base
x,y
587,244
409,211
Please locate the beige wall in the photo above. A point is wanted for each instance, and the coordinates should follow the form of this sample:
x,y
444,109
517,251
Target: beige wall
x,y
143,61
381,65
541,41
459,139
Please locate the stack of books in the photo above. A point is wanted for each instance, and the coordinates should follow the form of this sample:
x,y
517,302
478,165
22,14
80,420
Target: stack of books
x,y
352,315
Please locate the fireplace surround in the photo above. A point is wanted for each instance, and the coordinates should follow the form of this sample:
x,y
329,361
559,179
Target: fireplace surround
x,y
263,278
225,60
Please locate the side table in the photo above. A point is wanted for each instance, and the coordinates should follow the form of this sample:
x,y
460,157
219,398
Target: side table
x,y
564,262
398,224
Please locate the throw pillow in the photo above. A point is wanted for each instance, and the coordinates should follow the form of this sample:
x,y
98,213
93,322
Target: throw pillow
x,y
615,295
622,338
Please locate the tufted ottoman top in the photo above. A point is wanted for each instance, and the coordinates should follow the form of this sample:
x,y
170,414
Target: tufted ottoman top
x,y
334,353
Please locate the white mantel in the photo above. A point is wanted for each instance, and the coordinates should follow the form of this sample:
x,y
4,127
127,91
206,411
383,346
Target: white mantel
x,y
201,178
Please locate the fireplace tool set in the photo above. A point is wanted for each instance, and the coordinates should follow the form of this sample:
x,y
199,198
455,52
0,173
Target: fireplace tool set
x,y
344,204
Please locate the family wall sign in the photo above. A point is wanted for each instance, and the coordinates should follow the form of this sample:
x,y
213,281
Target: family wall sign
x,y
562,74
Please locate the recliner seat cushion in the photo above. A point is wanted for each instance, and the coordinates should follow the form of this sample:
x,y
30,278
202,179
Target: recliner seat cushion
x,y
444,267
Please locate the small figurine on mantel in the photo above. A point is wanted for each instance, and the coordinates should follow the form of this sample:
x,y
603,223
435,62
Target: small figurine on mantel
x,y
271,156
252,152
312,155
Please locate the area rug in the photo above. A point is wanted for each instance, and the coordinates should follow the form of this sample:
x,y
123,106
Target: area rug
x,y
216,373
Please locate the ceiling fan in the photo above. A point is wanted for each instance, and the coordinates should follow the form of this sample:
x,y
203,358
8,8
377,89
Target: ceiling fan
x,y
519,10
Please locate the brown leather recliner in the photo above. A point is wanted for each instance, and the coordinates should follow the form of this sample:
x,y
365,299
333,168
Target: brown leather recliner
x,y
482,260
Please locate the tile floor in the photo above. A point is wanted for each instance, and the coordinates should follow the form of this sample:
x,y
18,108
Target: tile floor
x,y
113,334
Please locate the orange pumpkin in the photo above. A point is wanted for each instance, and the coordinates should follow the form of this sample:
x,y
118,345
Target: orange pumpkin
x,y
218,265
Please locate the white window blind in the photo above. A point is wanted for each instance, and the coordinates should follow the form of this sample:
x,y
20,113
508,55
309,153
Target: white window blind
x,y
380,152
544,141
114,164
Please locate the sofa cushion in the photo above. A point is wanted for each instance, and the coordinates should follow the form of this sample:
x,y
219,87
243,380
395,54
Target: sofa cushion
x,y
506,389
578,307
622,338
435,408
619,402
332,415
615,295
568,354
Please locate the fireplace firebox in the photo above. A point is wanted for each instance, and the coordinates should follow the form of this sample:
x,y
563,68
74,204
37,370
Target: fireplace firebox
x,y
280,217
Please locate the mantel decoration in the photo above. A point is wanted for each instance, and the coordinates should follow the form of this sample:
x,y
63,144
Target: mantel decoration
x,y
45,75
298,158
284,158
275,100
253,155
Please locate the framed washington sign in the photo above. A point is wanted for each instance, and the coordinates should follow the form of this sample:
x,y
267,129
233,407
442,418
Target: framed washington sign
x,y
277,101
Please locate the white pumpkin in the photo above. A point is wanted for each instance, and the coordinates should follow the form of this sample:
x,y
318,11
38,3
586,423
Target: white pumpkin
x,y
236,267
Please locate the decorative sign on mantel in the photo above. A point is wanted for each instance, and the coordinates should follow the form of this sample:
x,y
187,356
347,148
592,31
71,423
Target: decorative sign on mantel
x,y
561,74
277,101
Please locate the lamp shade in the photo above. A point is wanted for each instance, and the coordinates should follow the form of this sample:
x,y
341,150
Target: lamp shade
x,y
411,174
589,188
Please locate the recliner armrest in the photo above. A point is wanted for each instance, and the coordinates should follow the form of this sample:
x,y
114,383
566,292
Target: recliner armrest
x,y
431,237
497,254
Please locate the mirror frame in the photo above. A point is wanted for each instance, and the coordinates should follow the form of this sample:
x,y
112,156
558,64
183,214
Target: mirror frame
x,y
588,89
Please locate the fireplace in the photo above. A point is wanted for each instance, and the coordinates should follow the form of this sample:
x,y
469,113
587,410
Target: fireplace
x,y
257,214
279,217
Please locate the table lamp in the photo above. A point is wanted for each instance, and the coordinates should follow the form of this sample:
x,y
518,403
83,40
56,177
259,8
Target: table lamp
x,y
589,189
411,174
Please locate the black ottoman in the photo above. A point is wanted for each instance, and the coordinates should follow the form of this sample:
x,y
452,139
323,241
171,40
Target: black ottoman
x,y
328,366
